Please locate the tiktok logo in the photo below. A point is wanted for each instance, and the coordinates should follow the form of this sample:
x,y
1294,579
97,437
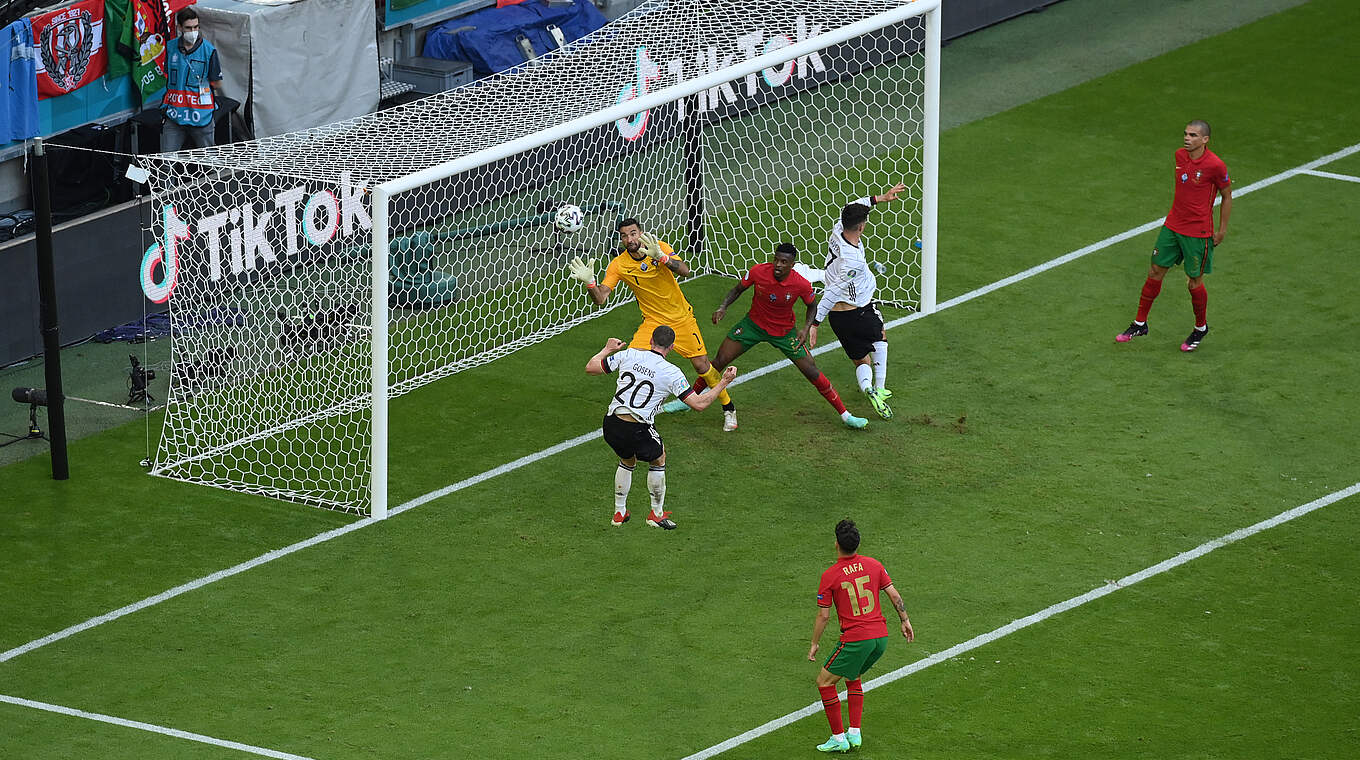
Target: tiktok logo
x,y
166,255
632,127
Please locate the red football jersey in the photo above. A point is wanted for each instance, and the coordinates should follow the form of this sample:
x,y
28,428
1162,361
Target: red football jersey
x,y
853,584
1197,183
772,304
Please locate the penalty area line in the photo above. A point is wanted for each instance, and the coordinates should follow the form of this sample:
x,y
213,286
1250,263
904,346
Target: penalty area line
x,y
151,727
1040,616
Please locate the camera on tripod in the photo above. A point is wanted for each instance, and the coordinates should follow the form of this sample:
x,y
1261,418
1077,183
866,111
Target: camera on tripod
x,y
138,377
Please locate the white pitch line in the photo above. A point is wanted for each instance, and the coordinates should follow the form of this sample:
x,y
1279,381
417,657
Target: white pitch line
x,y
153,728
587,437
1330,175
184,588
1040,616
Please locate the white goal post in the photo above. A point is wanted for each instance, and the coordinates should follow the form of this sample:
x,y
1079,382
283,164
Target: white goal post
x,y
725,126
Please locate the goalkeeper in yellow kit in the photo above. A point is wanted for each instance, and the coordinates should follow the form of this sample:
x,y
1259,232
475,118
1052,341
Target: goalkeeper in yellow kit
x,y
649,267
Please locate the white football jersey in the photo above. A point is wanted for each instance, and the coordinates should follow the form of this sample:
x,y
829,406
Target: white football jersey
x,y
848,278
646,380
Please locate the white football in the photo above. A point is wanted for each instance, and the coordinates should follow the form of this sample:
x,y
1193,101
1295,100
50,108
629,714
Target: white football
x,y
569,218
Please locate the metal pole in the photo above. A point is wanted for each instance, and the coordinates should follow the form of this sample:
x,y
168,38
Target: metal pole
x,y
47,306
377,473
930,201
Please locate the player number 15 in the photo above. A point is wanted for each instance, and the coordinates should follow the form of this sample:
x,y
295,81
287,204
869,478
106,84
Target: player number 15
x,y
861,600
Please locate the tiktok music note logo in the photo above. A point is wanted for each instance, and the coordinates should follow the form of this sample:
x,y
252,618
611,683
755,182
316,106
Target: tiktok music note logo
x,y
632,127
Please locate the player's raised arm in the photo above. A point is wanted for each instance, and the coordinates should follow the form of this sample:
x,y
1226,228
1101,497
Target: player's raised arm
x,y
891,194
597,365
584,270
653,248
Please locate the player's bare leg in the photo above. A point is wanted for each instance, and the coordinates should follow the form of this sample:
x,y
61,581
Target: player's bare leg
x,y
809,368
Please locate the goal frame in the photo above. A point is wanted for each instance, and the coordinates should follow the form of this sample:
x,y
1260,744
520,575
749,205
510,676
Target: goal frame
x,y
384,192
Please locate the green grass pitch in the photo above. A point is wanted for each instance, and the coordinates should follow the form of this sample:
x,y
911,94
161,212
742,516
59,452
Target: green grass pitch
x,y
1032,459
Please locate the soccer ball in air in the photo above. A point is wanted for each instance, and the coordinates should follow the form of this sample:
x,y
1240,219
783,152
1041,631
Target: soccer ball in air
x,y
569,218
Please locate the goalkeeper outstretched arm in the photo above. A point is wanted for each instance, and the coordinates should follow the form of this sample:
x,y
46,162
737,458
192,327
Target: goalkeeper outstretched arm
x,y
584,270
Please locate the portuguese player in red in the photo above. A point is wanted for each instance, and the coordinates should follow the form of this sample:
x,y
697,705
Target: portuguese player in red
x,y
852,585
1188,235
771,320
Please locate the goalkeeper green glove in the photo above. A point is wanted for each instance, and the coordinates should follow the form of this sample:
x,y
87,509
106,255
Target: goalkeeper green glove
x,y
652,247
583,270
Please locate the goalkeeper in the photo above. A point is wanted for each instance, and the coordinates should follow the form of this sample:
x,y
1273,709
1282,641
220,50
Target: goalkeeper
x,y
649,267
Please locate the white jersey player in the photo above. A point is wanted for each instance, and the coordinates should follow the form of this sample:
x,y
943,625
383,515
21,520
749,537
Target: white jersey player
x,y
645,381
848,300
848,278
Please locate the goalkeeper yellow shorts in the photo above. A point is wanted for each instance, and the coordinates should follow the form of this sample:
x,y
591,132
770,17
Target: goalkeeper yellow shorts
x,y
689,342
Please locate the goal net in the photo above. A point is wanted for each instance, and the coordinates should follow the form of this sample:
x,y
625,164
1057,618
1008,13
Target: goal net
x,y
314,275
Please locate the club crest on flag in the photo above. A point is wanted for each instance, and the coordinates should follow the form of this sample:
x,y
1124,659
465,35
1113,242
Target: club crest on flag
x,y
71,50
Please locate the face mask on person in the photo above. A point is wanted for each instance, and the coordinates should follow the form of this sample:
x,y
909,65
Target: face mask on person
x,y
190,36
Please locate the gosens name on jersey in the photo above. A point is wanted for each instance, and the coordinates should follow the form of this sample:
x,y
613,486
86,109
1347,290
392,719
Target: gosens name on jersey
x,y
645,381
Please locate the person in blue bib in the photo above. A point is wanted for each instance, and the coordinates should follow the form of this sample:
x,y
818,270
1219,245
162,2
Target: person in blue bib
x,y
193,85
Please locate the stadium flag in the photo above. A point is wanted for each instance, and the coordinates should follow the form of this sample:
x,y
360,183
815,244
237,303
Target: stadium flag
x,y
138,33
19,95
71,51
117,34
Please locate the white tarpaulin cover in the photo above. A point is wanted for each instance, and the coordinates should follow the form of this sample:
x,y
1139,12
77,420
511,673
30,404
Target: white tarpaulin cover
x,y
299,63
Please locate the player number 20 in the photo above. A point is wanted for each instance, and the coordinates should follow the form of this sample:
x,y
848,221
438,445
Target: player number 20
x,y
861,600
634,389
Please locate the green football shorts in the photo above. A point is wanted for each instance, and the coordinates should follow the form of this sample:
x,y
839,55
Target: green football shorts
x,y
1173,248
748,333
853,658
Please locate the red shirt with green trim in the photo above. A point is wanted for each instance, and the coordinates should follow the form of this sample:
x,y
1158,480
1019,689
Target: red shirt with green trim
x,y
1197,183
772,305
853,584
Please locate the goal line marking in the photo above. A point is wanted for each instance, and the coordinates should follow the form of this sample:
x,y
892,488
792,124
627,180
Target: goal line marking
x,y
153,728
593,435
1044,614
1331,175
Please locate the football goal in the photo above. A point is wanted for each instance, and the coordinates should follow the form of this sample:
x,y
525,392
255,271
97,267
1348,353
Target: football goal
x,y
313,276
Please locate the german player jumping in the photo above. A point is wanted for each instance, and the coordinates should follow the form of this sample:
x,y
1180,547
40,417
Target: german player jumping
x,y
1188,234
771,320
849,301
649,267
645,380
852,585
